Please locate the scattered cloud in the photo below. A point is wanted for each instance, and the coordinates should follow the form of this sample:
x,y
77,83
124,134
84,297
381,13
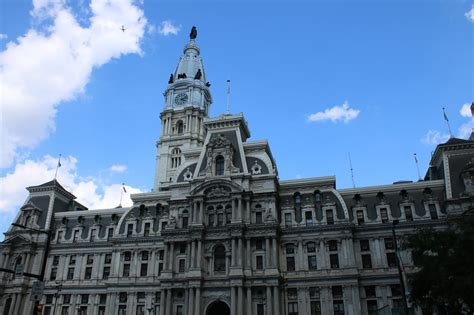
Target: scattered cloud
x,y
3,36
470,14
434,137
335,114
58,48
466,110
118,168
89,191
168,28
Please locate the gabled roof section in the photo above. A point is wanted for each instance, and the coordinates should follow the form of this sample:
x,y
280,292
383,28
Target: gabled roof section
x,y
30,205
16,238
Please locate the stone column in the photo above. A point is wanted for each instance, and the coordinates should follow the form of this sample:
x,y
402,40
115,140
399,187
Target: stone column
x,y
198,301
234,210
300,265
199,254
188,253
193,253
201,212
16,307
240,306
191,301
274,252
248,210
239,252
239,209
276,301
249,254
171,260
232,301
267,252
162,302
269,300
249,301
169,306
233,253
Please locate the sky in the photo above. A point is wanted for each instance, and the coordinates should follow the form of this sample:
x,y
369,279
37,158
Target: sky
x,y
318,79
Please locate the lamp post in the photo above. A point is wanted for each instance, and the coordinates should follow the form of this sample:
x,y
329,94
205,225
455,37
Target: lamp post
x,y
40,277
402,282
56,295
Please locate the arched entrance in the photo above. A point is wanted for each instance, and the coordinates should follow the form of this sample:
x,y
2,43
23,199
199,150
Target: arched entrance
x,y
218,308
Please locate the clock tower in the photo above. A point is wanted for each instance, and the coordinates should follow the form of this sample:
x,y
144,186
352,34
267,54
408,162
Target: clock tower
x,y
187,102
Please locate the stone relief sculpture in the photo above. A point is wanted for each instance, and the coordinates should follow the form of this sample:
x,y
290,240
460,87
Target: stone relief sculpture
x,y
188,175
256,169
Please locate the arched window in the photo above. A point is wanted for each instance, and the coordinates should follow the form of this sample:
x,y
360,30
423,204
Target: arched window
x,y
220,165
27,220
175,157
219,258
17,264
180,127
185,219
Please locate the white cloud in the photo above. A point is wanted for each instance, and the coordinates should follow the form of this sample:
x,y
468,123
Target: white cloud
x,y
466,110
167,27
118,168
335,114
3,36
89,191
434,137
470,14
52,63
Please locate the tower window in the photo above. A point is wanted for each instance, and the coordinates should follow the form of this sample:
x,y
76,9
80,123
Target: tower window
x,y
179,127
175,158
220,165
219,258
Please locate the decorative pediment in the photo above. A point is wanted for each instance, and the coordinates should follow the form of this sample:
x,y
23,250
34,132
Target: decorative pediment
x,y
218,192
219,142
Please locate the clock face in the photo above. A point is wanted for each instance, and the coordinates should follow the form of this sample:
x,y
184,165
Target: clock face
x,y
181,98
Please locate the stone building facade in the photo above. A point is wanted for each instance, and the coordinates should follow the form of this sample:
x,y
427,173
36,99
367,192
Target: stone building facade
x,y
220,233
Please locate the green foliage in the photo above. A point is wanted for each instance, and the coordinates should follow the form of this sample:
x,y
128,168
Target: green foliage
x,y
445,259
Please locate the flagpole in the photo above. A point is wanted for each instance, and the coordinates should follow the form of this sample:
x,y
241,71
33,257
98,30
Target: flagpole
x,y
121,194
57,167
417,166
447,122
228,97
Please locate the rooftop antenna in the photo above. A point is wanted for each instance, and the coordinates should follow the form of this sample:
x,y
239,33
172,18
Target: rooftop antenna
x,y
417,167
228,97
447,121
352,171
57,167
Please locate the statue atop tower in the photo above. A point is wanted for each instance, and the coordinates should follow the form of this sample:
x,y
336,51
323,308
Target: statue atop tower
x,y
193,33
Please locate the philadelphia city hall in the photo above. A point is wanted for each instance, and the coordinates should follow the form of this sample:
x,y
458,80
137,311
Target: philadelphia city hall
x,y
220,233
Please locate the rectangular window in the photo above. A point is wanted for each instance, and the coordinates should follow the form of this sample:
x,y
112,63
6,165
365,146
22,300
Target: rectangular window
x,y
93,233
90,259
108,258
338,307
129,230
330,217
293,308
47,310
388,243
370,291
122,310
220,219
76,236
110,233
309,218
70,274
53,274
408,213
65,310
106,273
259,262
60,236
84,298
364,245
366,261
360,217
260,309
396,291
288,220
384,215
55,260
391,260
211,220
179,310
292,294
160,268
372,307
127,256
314,293
146,230
123,297
67,299
312,263
185,222
101,310
163,225
311,247
126,270
433,212
145,255
72,260
143,270
49,299
228,217
315,308
258,244
182,248
141,297
258,217
88,273
182,264
332,246
290,263
336,292
334,259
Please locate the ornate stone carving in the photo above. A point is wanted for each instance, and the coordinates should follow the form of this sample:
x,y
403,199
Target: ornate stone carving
x,y
256,169
218,191
188,175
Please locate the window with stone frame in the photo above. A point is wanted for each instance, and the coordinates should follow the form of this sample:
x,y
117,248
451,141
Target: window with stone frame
x,y
433,212
219,259
108,258
181,265
334,261
84,298
338,302
175,157
384,215
90,259
93,235
312,264
288,219
308,215
211,219
219,164
60,237
76,236
53,274
259,262
66,298
408,213
106,272
129,229
311,247
72,260
315,303
371,298
290,258
259,244
360,217
392,260
388,241
143,270
55,260
122,303
70,273
140,303
145,255
260,309
88,273
292,308
110,233
220,219
126,270
127,256
258,217
366,261
396,295
146,229
329,217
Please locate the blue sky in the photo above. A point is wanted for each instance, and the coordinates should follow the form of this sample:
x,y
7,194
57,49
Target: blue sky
x,y
316,79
